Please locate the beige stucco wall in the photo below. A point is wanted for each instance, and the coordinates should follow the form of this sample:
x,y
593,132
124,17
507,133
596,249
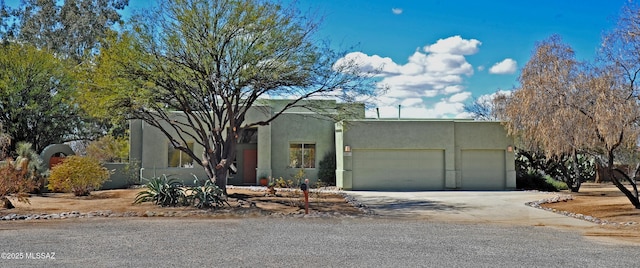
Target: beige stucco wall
x,y
451,136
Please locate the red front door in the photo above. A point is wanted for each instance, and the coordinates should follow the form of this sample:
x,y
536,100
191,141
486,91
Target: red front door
x,y
249,166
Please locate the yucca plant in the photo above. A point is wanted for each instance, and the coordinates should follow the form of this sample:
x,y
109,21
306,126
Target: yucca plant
x,y
163,191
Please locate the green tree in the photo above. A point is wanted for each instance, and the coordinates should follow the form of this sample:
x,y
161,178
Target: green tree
x,y
36,98
72,28
108,149
5,142
5,12
213,61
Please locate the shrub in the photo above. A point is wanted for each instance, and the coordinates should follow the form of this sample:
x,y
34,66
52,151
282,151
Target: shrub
x,y
209,195
12,182
109,149
29,164
327,169
163,191
558,185
535,181
77,174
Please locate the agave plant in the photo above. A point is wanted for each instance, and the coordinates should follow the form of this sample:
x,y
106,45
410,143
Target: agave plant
x,y
163,191
206,196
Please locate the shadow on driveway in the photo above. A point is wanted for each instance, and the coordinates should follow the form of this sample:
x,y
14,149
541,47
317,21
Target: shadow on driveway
x,y
385,206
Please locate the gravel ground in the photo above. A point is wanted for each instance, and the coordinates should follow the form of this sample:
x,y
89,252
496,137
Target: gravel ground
x,y
297,242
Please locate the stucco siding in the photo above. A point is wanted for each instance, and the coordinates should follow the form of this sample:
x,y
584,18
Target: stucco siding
x,y
304,129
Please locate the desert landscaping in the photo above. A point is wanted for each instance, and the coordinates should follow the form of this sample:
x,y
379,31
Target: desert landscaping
x,y
602,202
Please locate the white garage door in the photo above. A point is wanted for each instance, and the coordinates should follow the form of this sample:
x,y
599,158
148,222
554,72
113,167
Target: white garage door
x,y
483,170
398,170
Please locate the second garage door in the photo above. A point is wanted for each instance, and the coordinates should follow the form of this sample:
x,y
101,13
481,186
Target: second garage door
x,y
483,170
407,170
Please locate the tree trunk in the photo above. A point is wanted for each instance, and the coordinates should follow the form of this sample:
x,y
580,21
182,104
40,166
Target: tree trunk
x,y
577,181
221,176
610,170
7,203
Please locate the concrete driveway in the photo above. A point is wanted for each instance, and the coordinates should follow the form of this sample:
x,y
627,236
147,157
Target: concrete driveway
x,y
506,207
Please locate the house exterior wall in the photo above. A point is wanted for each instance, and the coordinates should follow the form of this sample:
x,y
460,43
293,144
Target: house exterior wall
x,y
391,154
451,137
300,129
296,125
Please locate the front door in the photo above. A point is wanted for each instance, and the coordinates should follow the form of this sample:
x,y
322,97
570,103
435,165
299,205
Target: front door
x,y
249,166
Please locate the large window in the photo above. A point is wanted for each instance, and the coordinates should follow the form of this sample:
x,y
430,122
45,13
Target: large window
x,y
178,158
302,155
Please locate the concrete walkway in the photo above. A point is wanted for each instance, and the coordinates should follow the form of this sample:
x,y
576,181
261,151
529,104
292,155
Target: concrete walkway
x,y
503,207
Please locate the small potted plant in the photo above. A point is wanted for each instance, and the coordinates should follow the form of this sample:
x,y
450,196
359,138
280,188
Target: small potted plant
x,y
264,180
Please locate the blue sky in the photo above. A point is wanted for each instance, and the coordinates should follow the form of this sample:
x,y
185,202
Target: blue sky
x,y
436,55
440,54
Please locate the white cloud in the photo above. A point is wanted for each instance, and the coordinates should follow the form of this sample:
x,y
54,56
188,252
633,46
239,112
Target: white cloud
x,y
396,11
429,85
411,102
454,45
507,66
460,97
453,89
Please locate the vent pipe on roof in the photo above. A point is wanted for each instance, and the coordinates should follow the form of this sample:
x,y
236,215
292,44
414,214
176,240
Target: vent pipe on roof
x,y
399,106
378,112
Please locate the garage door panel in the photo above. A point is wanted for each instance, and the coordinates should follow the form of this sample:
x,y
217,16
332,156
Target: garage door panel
x,y
483,170
398,169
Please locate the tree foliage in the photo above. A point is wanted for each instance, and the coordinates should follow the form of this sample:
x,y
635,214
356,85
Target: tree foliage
x,y
5,142
72,28
213,61
567,108
36,98
109,149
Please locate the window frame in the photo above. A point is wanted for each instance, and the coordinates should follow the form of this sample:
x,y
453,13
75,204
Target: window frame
x,y
304,147
181,155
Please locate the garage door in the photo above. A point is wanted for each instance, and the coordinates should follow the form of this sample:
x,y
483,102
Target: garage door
x,y
483,170
398,170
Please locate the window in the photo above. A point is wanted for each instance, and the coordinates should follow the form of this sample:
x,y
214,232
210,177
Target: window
x,y
302,155
178,158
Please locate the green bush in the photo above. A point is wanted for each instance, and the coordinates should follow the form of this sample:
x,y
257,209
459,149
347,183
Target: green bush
x,y
109,149
536,181
163,191
558,185
327,169
209,195
77,174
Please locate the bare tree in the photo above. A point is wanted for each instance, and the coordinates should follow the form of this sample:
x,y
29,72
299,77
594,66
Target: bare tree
x,y
213,61
566,107
540,112
487,107
621,52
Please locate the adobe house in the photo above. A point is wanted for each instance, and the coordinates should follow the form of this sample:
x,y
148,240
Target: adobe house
x,y
371,154
274,150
